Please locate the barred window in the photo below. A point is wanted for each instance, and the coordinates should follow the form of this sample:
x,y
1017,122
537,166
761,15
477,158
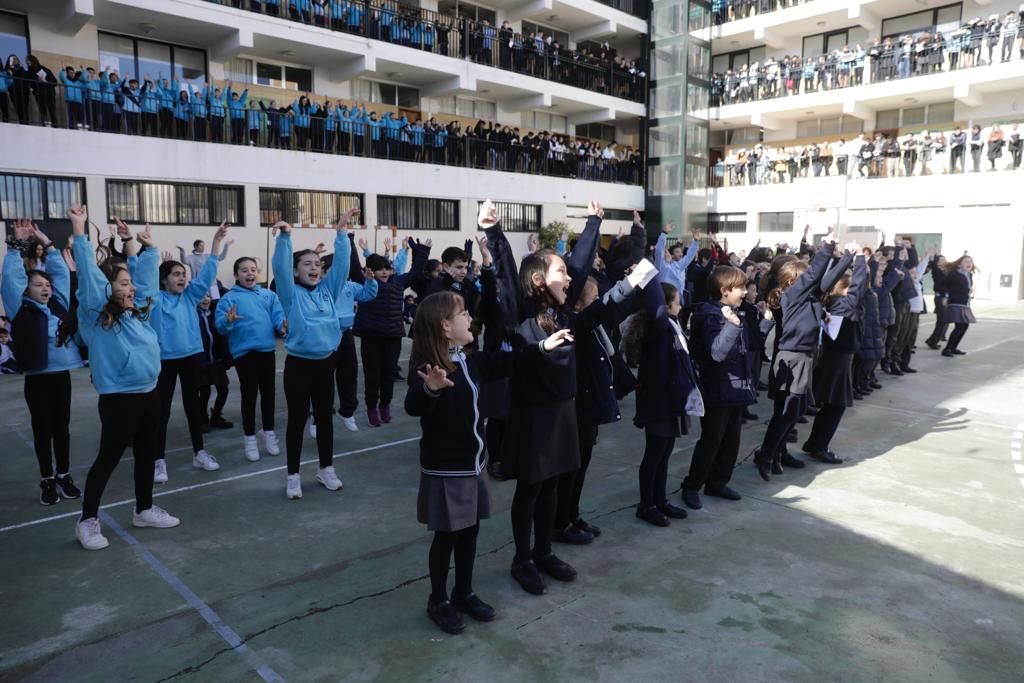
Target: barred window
x,y
775,221
174,203
40,198
724,222
418,213
305,207
517,217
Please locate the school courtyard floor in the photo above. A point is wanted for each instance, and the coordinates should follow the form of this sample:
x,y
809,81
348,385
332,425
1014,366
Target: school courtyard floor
x,y
906,563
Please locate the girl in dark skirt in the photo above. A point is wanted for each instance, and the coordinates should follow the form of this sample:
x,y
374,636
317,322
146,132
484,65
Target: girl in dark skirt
x,y
958,281
453,497
797,303
870,345
666,392
833,376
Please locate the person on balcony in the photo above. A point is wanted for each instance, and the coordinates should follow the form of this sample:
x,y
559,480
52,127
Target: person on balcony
x,y
995,145
976,146
957,146
74,96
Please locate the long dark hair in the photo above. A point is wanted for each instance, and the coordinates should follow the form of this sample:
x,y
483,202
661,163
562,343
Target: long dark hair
x,y
166,268
429,345
110,314
67,326
537,300
633,339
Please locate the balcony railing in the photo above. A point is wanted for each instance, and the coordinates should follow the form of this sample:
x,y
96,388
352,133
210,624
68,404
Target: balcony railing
x,y
460,38
305,129
638,8
723,11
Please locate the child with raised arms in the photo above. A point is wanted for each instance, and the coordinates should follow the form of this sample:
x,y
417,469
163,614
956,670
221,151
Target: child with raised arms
x,y
444,394
251,317
181,350
124,356
308,299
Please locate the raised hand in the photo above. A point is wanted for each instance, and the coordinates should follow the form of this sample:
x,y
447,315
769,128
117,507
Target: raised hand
x,y
166,256
405,243
532,242
853,248
79,216
387,245
284,328
347,219
762,308
320,248
557,339
594,209
429,242
25,230
218,237
145,237
367,273
730,315
363,246
435,378
122,229
283,226
636,216
485,253
232,315
903,254
68,258
488,215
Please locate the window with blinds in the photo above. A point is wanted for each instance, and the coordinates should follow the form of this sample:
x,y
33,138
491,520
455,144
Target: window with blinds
x,y
418,213
174,203
517,217
310,207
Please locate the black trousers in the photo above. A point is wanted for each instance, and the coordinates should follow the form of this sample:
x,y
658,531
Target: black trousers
x,y
959,330
570,485
380,357
217,128
5,106
897,332
238,131
533,509
714,456
256,371
187,369
654,470
218,402
940,327
824,428
462,544
149,123
309,382
125,420
76,114
788,409
49,405
346,374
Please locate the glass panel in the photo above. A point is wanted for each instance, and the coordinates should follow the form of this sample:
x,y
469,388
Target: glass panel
x,y
488,111
448,217
696,177
835,41
193,205
851,124
913,116
668,62
158,203
388,93
910,23
298,79
21,197
123,201
13,37
664,180
60,194
829,126
154,60
268,74
941,112
720,64
696,141
697,97
806,128
225,205
888,118
665,140
118,54
238,70
699,17
812,46
699,62
408,98
427,214
948,18
667,100
757,54
189,65
857,35
665,22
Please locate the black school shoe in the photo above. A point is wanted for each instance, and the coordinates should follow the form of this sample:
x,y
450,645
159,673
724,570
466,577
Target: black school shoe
x,y
529,579
875,384
572,535
722,492
763,465
48,492
652,516
691,499
555,568
789,461
474,607
907,369
932,345
66,487
218,422
670,510
584,525
792,437
749,416
445,616
827,457
496,471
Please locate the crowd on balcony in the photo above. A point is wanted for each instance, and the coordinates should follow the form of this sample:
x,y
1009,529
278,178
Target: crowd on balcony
x,y
731,10
878,156
974,43
85,99
536,54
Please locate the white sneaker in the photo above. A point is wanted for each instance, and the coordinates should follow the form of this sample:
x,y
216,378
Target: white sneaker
x,y
155,517
350,423
252,451
329,478
160,472
204,461
78,126
270,444
312,428
294,489
88,533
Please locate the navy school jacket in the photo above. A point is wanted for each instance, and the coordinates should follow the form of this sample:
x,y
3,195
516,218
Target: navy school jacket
x,y
802,310
720,351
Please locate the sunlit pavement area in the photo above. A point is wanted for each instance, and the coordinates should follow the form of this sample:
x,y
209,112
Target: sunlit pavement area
x,y
906,563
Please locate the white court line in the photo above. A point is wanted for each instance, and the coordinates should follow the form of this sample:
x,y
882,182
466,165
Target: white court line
x,y
212,482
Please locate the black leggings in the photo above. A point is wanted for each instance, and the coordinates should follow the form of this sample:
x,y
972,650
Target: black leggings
x,y
826,422
493,434
788,409
346,374
533,509
125,420
570,486
188,369
49,404
959,330
463,544
218,403
714,456
309,381
940,327
380,357
654,470
256,371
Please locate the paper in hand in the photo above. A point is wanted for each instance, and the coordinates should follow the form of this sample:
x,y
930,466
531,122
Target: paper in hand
x,y
642,273
834,323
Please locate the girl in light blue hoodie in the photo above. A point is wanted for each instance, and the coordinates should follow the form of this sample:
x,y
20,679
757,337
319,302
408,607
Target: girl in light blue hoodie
x,y
308,298
114,307
250,317
181,348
